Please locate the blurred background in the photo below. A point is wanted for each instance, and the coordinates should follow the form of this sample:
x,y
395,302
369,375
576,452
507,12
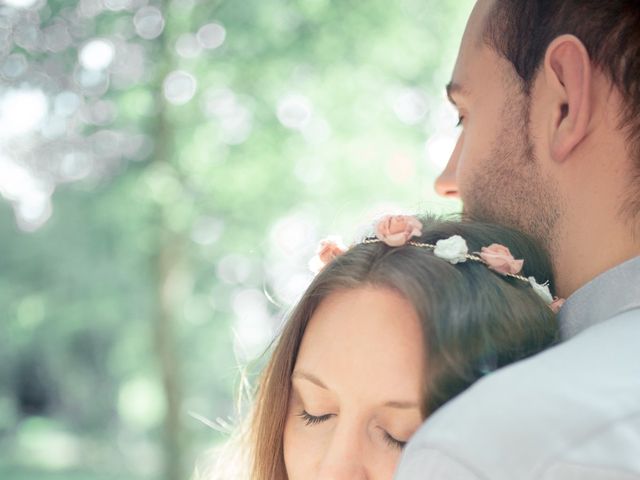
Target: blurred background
x,y
167,168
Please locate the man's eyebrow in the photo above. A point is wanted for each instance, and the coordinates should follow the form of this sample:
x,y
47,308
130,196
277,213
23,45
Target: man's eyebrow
x,y
455,89
309,377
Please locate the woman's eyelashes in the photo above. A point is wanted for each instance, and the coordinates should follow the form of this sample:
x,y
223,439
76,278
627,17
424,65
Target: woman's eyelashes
x,y
460,120
310,420
392,442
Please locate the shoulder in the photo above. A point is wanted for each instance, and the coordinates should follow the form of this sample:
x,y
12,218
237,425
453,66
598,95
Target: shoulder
x,y
530,415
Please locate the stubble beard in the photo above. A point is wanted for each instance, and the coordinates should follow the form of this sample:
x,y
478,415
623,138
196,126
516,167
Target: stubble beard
x,y
511,189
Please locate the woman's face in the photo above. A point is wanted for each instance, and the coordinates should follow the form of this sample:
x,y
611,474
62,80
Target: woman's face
x,y
356,387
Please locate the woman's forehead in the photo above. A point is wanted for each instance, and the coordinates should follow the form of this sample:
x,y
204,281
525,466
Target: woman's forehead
x,y
366,340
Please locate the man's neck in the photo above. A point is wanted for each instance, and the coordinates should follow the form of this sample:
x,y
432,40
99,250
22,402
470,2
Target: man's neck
x,y
590,249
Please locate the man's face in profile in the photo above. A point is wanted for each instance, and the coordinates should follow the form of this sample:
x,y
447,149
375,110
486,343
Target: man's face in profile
x,y
494,168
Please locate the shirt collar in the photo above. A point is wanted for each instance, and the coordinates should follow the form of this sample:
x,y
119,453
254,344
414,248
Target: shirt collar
x,y
609,294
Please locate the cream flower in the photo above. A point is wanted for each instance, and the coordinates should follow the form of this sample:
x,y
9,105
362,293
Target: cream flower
x,y
542,291
396,230
453,249
328,250
499,259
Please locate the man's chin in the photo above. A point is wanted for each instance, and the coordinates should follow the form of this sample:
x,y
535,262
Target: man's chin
x,y
472,214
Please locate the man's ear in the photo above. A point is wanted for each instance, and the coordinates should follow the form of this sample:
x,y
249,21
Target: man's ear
x,y
568,71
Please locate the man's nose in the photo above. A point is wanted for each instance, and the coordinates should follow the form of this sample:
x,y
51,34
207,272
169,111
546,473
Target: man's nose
x,y
446,184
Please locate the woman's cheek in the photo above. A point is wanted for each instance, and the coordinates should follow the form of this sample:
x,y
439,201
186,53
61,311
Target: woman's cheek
x,y
302,448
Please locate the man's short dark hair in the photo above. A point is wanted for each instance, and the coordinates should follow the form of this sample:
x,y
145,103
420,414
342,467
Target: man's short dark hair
x,y
521,31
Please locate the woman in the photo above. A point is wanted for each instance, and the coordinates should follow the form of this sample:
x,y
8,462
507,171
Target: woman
x,y
389,331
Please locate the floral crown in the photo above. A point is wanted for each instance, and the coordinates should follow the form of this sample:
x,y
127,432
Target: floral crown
x,y
398,230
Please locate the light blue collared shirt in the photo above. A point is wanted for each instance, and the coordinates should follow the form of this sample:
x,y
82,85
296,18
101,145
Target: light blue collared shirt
x,y
569,413
610,294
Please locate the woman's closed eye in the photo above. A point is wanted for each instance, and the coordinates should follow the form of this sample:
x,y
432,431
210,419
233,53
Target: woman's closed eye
x,y
393,442
310,420
313,419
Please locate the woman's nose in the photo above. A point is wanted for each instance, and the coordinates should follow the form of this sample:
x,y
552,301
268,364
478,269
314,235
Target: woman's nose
x,y
344,459
446,184
342,471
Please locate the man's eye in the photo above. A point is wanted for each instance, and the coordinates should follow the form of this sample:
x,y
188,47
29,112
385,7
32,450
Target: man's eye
x,y
392,442
312,419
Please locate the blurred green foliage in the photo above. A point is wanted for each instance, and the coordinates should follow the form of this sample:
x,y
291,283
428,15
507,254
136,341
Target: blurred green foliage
x,y
160,211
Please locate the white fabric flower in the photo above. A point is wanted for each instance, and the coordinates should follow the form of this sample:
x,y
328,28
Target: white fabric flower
x,y
454,249
542,291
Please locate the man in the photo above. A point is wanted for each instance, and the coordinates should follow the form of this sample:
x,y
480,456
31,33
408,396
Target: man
x,y
549,99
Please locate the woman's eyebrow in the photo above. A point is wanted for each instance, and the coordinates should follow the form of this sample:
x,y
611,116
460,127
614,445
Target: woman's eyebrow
x,y
309,377
301,374
403,405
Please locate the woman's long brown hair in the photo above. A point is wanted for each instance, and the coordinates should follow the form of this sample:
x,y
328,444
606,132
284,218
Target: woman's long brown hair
x,y
473,321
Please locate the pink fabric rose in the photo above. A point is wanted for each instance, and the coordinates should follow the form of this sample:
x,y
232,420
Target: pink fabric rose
x,y
396,230
328,249
556,305
499,258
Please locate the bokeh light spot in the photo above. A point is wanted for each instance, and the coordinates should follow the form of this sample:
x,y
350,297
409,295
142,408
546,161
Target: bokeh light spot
x,y
14,66
207,230
187,46
22,111
20,3
211,36
234,269
179,87
97,54
66,103
141,403
251,324
294,111
148,22
439,148
410,106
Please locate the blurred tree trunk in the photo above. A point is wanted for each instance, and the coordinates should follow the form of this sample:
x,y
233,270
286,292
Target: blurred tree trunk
x,y
166,261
